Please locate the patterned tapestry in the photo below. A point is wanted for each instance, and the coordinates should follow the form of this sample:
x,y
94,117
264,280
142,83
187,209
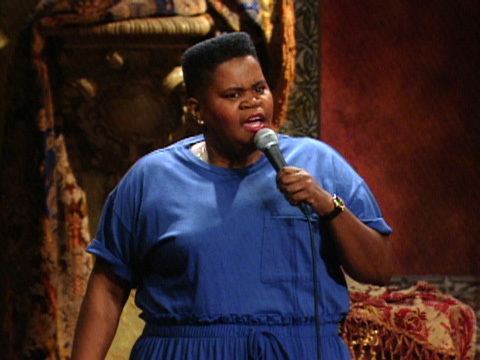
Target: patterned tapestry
x,y
418,322
304,101
49,227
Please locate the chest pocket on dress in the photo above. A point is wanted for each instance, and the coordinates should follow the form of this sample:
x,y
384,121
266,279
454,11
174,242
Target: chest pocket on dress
x,y
286,254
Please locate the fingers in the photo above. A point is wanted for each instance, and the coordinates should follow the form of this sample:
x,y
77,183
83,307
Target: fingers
x,y
298,189
289,175
297,185
298,197
294,179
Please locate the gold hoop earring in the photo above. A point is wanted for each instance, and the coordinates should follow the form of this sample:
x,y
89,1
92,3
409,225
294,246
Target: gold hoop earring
x,y
197,119
193,117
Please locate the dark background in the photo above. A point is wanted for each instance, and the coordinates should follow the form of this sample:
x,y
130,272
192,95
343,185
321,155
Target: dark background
x,y
401,100
13,17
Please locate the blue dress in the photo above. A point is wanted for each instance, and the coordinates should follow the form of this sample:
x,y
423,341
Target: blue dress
x,y
221,261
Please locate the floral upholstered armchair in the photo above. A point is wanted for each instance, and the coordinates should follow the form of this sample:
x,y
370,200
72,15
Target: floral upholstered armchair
x,y
419,322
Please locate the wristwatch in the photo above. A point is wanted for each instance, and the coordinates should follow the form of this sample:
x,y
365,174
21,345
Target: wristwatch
x,y
339,208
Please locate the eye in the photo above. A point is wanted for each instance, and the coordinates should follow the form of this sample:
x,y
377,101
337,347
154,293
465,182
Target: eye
x,y
259,89
231,95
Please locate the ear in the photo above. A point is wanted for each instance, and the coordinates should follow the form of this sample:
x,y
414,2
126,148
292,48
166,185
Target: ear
x,y
193,110
193,106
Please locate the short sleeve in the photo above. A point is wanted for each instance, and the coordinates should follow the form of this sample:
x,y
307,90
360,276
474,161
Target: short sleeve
x,y
114,242
364,205
357,195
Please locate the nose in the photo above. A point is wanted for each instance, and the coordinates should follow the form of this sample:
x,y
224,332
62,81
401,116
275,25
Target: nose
x,y
252,100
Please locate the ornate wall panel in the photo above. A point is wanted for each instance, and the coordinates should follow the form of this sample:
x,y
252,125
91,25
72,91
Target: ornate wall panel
x,y
303,114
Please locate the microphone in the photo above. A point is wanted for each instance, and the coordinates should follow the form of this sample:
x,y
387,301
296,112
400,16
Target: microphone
x,y
266,140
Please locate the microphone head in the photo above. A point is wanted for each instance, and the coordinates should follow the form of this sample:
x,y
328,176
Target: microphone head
x,y
265,138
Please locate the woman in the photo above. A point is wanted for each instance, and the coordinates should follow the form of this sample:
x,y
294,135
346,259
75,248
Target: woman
x,y
219,256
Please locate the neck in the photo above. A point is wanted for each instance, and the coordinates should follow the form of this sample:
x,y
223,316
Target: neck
x,y
226,159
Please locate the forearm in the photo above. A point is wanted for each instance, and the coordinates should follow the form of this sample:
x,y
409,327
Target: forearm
x,y
99,316
365,254
95,330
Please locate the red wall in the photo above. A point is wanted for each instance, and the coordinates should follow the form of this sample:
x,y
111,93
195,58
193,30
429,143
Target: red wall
x,y
401,101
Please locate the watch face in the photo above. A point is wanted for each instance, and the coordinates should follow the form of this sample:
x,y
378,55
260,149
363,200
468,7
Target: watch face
x,y
339,207
339,203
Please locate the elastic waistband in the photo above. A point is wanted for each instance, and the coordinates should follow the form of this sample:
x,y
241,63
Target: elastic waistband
x,y
235,330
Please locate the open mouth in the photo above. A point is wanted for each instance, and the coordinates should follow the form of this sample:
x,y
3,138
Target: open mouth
x,y
254,122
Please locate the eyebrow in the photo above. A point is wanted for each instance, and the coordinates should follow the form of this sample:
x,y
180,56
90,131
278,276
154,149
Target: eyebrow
x,y
241,88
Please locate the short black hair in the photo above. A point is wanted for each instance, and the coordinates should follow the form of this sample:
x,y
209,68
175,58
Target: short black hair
x,y
201,60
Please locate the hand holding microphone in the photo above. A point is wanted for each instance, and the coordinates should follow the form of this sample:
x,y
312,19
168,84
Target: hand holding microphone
x,y
300,188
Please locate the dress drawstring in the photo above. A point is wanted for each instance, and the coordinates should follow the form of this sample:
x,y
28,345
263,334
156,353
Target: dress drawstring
x,y
258,340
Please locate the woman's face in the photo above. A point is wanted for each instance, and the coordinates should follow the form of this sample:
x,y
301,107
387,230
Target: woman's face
x,y
236,105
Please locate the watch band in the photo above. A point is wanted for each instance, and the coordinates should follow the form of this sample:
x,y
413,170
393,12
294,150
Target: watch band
x,y
339,208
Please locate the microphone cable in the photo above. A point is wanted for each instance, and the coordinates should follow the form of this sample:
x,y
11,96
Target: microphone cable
x,y
316,286
266,140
